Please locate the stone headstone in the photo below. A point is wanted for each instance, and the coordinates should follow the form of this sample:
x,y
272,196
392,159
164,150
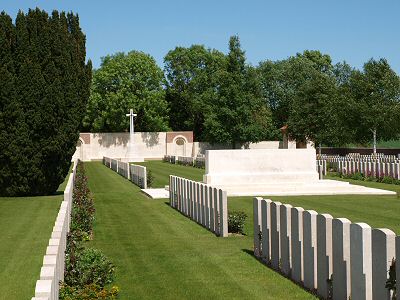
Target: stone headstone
x,y
297,244
341,258
257,227
383,252
285,234
361,261
324,253
310,248
266,229
275,247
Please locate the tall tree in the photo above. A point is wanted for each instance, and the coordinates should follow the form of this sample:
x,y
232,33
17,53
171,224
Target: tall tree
x,y
191,75
238,114
125,81
46,96
376,94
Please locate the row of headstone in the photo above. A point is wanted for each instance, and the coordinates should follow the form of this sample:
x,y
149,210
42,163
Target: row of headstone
x,y
52,271
369,169
380,158
135,173
202,203
198,162
332,256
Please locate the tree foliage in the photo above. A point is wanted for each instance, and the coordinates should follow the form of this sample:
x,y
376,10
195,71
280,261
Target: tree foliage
x,y
122,82
191,75
238,114
44,90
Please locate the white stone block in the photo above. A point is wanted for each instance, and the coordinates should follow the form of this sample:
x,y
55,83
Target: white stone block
x,y
324,253
43,288
341,258
207,207
383,252
266,229
361,261
285,235
310,248
216,210
275,222
223,205
49,260
297,244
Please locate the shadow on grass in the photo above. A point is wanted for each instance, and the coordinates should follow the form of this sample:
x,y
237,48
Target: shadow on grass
x,y
268,265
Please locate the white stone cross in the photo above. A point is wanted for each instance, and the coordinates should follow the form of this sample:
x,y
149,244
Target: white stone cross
x,y
131,125
131,115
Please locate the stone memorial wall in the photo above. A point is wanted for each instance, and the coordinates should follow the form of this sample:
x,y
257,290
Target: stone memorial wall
x,y
52,271
202,203
336,258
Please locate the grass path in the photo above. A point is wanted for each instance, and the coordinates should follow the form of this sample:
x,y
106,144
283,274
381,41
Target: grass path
x,y
25,228
161,171
161,254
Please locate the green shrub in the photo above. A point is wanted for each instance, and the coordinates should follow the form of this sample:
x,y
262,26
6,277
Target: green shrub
x,y
150,178
83,205
391,282
236,220
88,292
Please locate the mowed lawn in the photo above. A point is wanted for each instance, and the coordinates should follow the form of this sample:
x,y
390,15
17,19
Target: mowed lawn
x,y
161,171
377,211
160,254
25,228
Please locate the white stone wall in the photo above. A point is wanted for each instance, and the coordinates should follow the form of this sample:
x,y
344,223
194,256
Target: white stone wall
x,y
147,145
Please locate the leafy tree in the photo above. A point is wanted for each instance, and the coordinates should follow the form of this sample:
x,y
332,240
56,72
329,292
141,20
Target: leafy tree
x,y
122,82
316,112
45,85
191,85
376,95
238,113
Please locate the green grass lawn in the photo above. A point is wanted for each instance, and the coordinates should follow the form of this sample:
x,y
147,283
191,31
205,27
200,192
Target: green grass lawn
x,y
375,210
161,171
160,254
25,228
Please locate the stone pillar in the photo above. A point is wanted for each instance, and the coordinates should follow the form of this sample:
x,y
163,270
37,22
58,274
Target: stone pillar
x,y
398,171
361,261
285,234
297,244
266,230
310,248
257,225
383,252
207,207
341,258
275,252
324,253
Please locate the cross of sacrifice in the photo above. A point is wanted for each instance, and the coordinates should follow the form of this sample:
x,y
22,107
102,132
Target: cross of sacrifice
x,y
131,115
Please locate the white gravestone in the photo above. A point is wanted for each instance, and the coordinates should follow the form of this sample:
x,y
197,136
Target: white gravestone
x,y
257,222
383,252
324,253
341,258
297,244
285,226
275,252
310,248
266,229
361,261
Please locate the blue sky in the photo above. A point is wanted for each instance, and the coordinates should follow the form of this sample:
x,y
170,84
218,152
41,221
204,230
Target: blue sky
x,y
351,30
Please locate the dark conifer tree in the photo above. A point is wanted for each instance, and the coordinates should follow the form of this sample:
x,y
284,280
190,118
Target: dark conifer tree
x,y
43,64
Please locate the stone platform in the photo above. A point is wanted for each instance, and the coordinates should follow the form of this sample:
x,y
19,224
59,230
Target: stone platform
x,y
156,193
274,172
